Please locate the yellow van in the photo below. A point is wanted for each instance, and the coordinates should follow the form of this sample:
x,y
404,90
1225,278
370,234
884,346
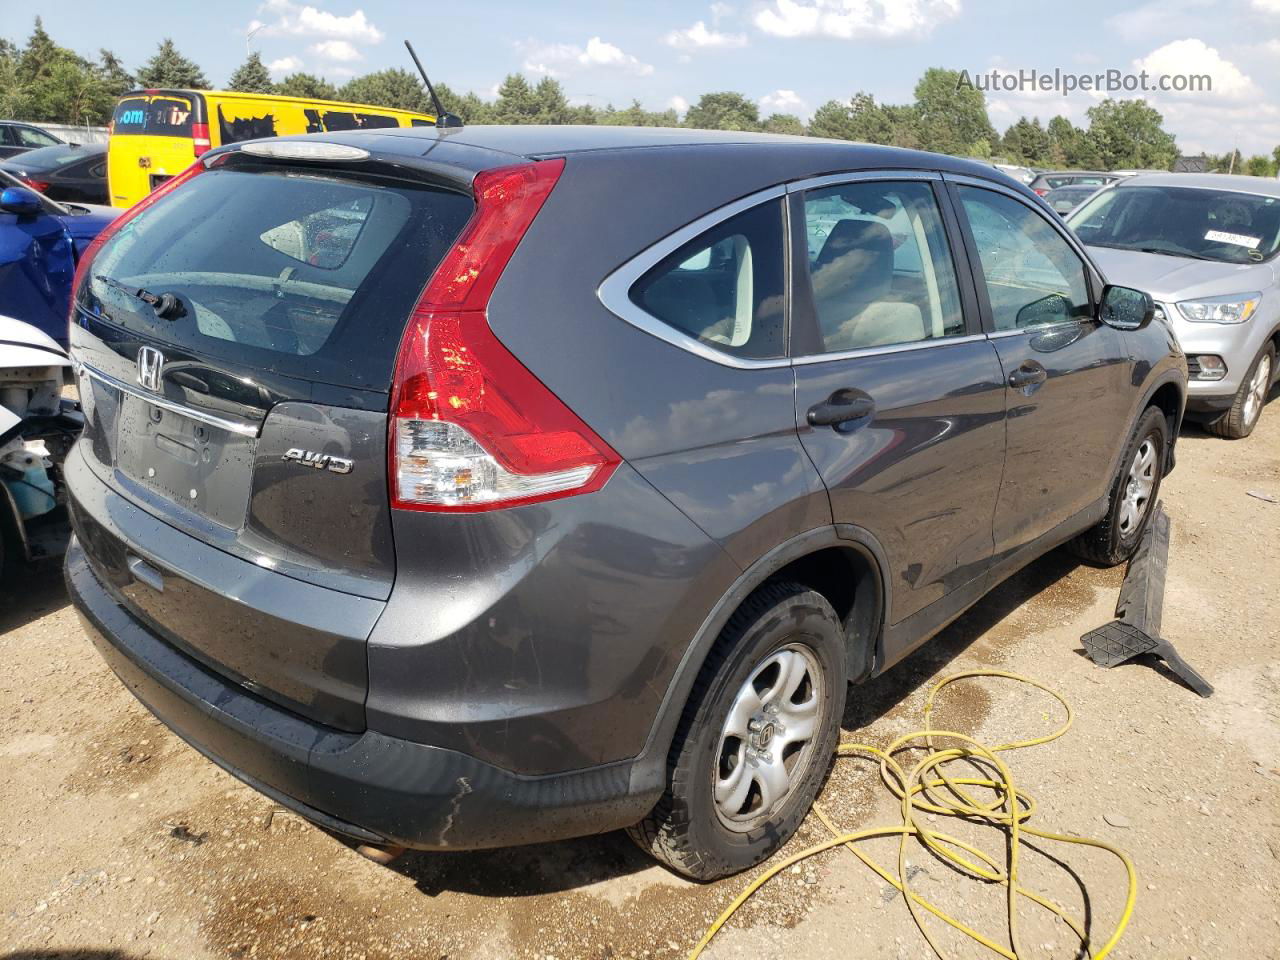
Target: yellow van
x,y
156,134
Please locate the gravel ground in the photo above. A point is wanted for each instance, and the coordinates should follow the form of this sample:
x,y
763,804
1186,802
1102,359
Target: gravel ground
x,y
118,841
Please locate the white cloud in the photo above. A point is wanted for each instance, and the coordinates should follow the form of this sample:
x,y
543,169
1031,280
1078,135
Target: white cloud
x,y
1267,6
783,101
853,19
293,18
558,58
679,104
284,65
721,11
338,51
700,37
1193,57
1160,18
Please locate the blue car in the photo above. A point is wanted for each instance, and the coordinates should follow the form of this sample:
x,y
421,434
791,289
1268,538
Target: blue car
x,y
40,244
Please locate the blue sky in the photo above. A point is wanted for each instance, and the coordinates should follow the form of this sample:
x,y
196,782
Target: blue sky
x,y
789,55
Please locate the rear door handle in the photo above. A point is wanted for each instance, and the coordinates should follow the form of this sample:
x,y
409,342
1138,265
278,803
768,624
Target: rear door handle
x,y
841,407
1030,374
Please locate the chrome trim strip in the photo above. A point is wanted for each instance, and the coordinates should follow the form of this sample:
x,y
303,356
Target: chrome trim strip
x,y
615,290
855,176
889,349
164,403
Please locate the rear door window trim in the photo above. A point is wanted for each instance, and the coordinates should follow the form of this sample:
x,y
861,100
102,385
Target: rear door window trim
x,y
614,291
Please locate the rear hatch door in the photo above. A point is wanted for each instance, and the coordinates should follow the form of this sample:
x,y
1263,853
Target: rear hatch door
x,y
251,413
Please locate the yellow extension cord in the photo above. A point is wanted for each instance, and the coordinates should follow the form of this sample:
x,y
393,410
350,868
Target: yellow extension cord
x,y
917,790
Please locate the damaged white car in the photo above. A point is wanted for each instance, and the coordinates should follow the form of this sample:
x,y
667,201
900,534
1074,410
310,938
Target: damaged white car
x,y
38,425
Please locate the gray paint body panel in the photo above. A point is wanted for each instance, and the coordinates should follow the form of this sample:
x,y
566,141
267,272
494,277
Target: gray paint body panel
x,y
559,640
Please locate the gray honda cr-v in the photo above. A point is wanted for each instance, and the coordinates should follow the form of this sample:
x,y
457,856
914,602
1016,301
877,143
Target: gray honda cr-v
x,y
469,487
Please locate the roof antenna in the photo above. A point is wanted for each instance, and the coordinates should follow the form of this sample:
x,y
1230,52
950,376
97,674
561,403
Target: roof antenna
x,y
443,117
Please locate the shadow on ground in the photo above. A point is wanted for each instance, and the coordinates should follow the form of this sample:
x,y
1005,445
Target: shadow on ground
x,y
879,696
29,594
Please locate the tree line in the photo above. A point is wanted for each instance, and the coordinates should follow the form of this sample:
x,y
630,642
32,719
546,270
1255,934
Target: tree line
x,y
42,81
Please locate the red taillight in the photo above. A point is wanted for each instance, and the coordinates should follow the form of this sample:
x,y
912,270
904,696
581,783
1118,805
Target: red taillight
x,y
471,428
1040,191
200,138
40,186
87,257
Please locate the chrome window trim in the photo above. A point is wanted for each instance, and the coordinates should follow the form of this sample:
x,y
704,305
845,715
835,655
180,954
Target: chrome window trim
x,y
164,403
888,349
857,176
1055,222
615,290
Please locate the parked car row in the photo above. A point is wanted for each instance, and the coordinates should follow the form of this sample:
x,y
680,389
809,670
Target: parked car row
x,y
69,173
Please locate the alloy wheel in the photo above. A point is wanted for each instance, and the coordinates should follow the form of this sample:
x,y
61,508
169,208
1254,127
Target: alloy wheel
x,y
766,745
1138,487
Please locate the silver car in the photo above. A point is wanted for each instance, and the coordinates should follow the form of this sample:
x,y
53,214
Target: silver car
x,y
1204,246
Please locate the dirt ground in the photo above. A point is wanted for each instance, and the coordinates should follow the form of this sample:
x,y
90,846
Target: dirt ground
x,y
118,841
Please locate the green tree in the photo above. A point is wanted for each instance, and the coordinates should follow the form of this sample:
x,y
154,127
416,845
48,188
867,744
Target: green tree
x,y
637,116
388,88
14,96
723,111
467,106
116,80
516,102
251,76
1259,166
950,118
307,86
784,123
1130,133
1027,142
1071,147
169,68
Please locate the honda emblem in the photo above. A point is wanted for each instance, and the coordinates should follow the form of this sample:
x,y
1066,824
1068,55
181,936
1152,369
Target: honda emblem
x,y
150,366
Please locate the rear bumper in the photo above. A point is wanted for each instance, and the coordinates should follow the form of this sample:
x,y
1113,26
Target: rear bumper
x,y
368,786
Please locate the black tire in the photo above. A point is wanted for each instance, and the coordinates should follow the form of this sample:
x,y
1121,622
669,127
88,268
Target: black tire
x,y
1110,542
1238,422
686,830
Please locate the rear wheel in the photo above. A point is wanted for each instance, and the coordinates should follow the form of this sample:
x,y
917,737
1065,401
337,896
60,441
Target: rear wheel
x,y
1238,422
756,739
1133,495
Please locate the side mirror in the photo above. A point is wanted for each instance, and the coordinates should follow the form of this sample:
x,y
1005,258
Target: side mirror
x,y
20,201
1125,308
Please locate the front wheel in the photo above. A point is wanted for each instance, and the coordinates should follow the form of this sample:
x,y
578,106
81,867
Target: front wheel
x,y
1238,422
1133,495
756,739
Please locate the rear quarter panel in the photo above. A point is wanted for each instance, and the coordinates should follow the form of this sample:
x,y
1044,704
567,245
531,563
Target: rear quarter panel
x,y
719,442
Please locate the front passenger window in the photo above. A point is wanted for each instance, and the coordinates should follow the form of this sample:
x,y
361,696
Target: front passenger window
x,y
1033,276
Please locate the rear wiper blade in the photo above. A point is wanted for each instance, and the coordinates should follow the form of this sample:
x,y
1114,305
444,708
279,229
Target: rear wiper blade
x,y
165,305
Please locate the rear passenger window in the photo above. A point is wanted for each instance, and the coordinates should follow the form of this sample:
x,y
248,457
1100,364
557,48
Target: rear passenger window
x,y
724,288
880,266
1033,276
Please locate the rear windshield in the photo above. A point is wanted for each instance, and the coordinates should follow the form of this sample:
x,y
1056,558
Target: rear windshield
x,y
162,116
309,275
1197,223
54,158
